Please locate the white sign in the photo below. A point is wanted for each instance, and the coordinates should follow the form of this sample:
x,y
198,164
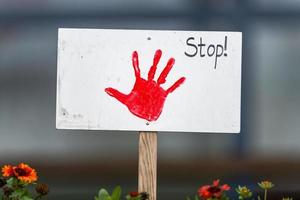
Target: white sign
x,y
145,80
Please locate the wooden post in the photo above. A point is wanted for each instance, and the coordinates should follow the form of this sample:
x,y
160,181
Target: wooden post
x,y
148,163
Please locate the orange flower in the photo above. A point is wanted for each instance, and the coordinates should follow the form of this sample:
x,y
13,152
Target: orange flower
x,y
25,173
212,191
7,171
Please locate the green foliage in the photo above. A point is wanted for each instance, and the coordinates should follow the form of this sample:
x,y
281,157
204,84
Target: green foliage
x,y
12,182
224,197
116,195
243,192
196,198
266,185
14,189
258,198
104,195
128,197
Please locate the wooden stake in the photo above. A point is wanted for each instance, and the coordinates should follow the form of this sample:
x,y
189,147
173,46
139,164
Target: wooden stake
x,y
148,163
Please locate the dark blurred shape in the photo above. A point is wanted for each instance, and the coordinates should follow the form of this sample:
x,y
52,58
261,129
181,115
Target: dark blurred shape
x,y
42,189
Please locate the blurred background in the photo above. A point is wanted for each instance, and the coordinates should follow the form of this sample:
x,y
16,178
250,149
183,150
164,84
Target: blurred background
x,y
76,164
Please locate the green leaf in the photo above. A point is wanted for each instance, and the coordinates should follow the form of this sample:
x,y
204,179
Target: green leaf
x,y
26,198
11,182
188,198
18,193
196,197
104,195
127,197
116,194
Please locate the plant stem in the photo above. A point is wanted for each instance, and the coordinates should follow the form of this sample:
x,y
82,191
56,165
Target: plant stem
x,y
38,197
258,198
265,198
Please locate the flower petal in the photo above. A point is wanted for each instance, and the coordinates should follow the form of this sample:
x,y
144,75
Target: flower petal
x,y
225,187
7,170
216,182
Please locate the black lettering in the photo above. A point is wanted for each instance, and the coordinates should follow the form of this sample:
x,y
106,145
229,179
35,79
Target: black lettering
x,y
200,47
225,46
192,45
208,50
219,53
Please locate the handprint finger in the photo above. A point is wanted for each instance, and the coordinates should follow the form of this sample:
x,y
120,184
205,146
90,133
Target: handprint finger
x,y
118,95
153,68
162,78
135,63
176,85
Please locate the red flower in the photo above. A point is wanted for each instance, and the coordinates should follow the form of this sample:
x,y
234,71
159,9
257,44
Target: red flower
x,y
212,191
134,194
7,171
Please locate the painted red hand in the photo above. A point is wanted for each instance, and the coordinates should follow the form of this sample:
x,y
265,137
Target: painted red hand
x,y
147,98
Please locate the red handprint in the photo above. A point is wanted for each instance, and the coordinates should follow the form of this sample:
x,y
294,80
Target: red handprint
x,y
146,99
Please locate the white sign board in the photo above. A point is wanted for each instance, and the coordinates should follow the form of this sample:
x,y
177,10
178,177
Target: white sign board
x,y
145,80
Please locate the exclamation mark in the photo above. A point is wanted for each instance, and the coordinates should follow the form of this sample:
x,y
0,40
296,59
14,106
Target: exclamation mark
x,y
225,46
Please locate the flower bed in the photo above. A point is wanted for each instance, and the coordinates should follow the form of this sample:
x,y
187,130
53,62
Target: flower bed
x,y
20,183
17,183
